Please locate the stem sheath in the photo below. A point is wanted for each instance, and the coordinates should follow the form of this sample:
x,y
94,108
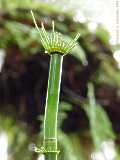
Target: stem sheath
x,y
51,108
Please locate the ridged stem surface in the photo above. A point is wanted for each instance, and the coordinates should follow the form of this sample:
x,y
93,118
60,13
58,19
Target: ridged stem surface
x,y
51,108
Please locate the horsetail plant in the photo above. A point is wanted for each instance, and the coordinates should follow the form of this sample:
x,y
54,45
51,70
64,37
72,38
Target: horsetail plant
x,y
55,46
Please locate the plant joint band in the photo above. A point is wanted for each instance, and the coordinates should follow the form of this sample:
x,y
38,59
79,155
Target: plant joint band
x,y
42,150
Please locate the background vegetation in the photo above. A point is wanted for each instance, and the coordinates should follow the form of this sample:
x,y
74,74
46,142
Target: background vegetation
x,y
87,122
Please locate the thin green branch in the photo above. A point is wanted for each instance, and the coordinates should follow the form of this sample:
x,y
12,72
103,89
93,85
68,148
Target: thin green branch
x,y
55,42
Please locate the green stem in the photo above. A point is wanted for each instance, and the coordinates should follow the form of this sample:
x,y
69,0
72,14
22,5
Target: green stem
x,y
51,108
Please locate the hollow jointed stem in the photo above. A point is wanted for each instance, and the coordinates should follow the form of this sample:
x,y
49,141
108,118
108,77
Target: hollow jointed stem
x,y
56,46
51,108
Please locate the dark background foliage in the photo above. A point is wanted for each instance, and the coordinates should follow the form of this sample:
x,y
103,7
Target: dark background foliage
x,y
23,78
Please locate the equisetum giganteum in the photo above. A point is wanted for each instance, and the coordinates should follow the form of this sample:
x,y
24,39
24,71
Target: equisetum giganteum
x,y
55,46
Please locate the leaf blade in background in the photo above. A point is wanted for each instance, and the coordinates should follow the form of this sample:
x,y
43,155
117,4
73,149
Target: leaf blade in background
x,y
100,125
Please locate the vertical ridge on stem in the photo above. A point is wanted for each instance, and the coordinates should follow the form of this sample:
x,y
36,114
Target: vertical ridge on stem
x,y
51,108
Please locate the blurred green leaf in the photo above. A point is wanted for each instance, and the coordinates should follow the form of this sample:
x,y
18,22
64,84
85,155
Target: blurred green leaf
x,y
100,125
103,35
27,37
70,147
77,51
